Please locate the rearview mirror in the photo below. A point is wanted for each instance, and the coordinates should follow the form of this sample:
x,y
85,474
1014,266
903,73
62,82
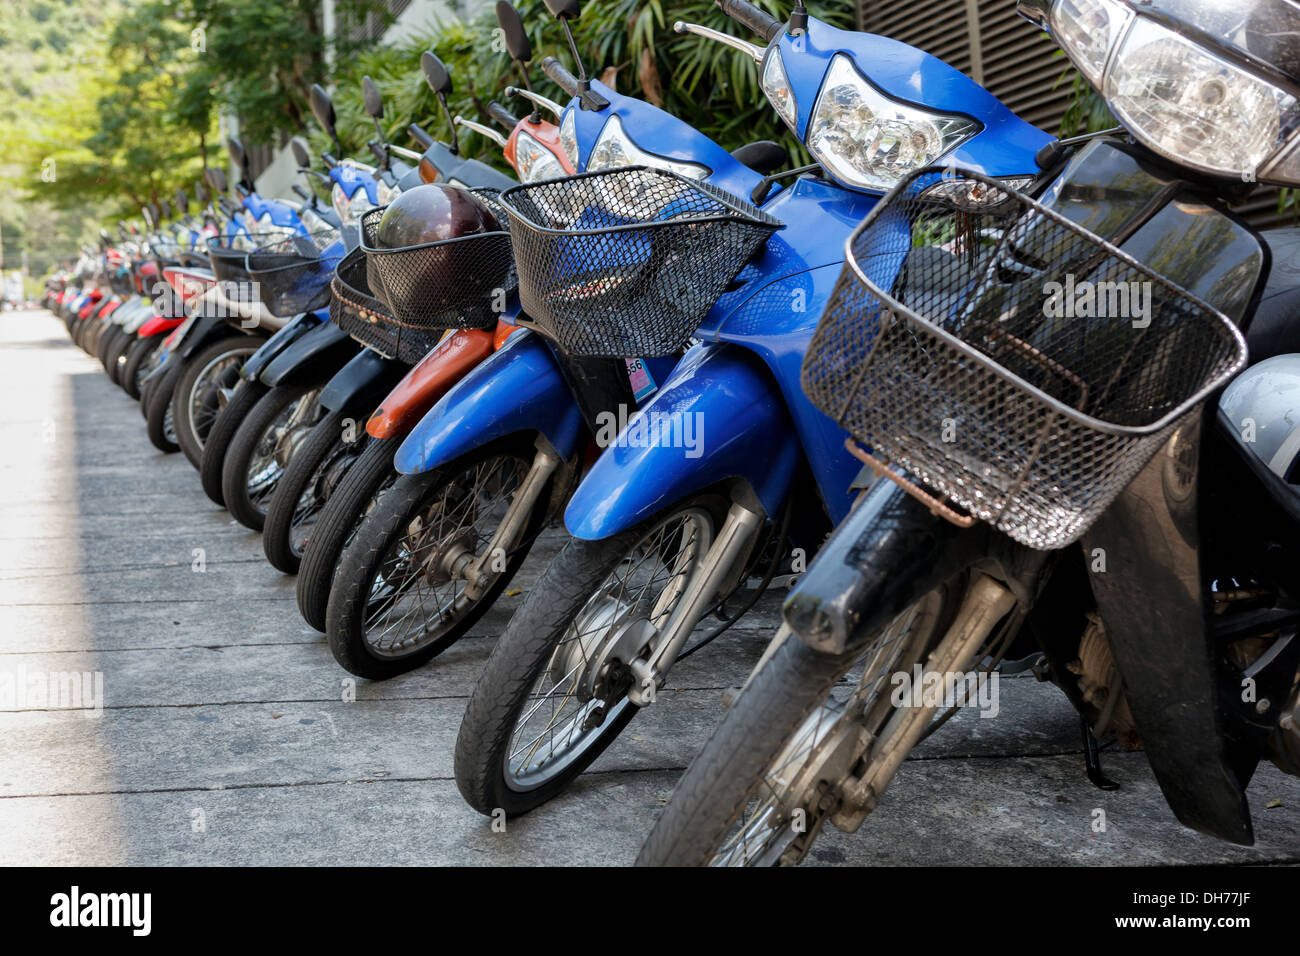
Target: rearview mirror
x,y
435,72
563,9
216,180
300,154
323,109
201,193
373,99
239,156
166,209
515,36
182,201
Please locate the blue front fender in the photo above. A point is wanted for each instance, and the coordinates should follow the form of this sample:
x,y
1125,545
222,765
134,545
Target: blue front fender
x,y
520,388
718,416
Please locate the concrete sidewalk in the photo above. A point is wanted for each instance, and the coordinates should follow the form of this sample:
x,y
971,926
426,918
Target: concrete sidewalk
x,y
225,737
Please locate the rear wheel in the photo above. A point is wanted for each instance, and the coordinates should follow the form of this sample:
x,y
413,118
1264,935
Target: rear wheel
x,y
199,391
400,594
245,396
553,695
262,448
326,455
347,508
158,414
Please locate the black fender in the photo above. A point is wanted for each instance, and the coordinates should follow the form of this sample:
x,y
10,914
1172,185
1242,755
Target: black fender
x,y
888,553
362,383
313,357
294,329
1151,598
205,330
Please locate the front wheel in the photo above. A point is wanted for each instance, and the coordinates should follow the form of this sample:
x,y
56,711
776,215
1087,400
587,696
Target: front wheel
x,y
242,401
262,448
816,737
199,392
141,359
327,453
553,695
158,411
402,592
349,506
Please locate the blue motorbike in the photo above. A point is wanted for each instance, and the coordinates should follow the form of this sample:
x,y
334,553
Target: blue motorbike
x,y
728,467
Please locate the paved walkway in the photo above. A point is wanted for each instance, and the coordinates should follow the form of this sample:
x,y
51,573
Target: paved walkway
x,y
224,737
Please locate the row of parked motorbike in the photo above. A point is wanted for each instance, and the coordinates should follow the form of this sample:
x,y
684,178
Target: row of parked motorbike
x,y
995,384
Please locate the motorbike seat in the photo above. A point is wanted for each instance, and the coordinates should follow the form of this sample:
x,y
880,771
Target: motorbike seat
x,y
1275,327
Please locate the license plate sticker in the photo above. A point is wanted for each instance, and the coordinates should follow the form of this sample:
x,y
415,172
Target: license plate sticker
x,y
639,378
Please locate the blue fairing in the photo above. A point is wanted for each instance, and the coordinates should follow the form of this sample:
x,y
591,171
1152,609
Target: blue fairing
x,y
1006,145
519,388
282,214
717,417
350,179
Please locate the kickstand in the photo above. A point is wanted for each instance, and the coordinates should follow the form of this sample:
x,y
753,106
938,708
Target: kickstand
x,y
1092,759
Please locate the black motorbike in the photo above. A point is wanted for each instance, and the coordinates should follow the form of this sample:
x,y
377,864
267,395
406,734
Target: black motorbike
x,y
1055,473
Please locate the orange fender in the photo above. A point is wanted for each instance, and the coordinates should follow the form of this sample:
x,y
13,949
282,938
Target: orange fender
x,y
428,381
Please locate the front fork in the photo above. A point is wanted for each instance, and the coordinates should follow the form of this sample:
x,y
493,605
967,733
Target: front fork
x,y
734,539
477,571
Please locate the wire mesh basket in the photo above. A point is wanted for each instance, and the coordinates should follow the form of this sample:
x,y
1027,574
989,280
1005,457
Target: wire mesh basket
x,y
228,257
448,284
293,274
357,312
627,262
959,347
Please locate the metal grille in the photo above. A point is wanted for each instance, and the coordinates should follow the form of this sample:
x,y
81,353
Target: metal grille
x,y
293,274
366,319
450,284
958,345
627,262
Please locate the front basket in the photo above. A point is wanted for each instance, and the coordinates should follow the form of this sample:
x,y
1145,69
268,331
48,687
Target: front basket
x,y
958,347
627,262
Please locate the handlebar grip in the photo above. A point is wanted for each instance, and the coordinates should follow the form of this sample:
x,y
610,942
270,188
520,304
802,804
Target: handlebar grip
x,y
562,77
502,115
748,15
419,135
377,150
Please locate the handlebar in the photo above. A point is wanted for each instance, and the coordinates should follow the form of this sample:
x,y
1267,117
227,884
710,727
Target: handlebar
x,y
419,135
501,115
378,151
748,15
562,77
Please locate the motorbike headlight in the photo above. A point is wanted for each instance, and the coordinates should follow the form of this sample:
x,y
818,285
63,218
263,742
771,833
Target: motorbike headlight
x,y
534,161
868,140
1194,107
569,138
359,203
1087,29
1177,97
614,149
339,200
776,86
